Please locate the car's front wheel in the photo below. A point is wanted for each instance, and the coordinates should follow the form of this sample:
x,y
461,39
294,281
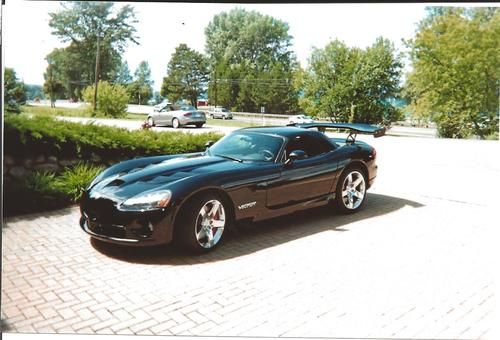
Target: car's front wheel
x,y
351,190
202,222
199,125
151,122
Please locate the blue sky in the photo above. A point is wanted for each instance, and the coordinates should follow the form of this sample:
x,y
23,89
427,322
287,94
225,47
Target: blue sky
x,y
27,38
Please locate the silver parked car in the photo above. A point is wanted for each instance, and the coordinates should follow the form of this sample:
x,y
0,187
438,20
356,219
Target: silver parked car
x,y
220,112
170,115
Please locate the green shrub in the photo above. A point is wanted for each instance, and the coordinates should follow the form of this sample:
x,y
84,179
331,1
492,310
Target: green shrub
x,y
112,100
45,135
41,182
73,181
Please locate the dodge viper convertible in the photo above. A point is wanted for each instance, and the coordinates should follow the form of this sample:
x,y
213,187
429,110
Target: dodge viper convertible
x,y
251,174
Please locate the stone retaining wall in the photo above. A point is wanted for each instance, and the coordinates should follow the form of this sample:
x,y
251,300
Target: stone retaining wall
x,y
14,167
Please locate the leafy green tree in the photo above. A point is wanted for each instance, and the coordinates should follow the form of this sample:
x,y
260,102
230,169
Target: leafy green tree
x,y
112,99
53,85
87,26
34,92
141,88
351,84
122,75
456,71
158,98
14,91
187,75
251,61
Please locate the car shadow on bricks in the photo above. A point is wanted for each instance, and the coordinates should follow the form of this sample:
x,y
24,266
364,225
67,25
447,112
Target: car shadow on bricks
x,y
249,238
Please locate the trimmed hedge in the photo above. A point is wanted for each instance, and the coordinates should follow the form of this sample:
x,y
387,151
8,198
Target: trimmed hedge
x,y
46,135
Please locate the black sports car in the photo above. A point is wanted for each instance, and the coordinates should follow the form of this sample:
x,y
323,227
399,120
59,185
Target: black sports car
x,y
251,174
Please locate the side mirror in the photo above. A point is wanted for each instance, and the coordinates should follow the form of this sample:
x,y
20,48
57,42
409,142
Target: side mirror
x,y
295,155
209,144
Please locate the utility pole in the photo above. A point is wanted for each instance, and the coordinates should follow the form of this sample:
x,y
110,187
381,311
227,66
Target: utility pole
x,y
215,88
96,73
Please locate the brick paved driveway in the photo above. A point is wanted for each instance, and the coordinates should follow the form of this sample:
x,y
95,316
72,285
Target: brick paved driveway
x,y
417,262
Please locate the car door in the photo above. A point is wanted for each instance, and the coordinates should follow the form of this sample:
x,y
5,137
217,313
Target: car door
x,y
306,179
167,114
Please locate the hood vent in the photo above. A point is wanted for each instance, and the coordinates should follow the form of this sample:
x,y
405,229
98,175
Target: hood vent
x,y
115,183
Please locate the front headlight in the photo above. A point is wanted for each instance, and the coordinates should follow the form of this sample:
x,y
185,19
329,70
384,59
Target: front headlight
x,y
148,201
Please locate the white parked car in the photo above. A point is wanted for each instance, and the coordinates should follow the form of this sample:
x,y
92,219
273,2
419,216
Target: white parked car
x,y
300,119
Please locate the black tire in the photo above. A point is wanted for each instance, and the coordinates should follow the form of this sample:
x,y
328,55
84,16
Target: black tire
x,y
192,230
199,125
347,193
175,123
212,116
151,121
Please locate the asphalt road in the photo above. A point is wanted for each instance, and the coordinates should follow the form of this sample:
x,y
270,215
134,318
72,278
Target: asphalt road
x,y
131,124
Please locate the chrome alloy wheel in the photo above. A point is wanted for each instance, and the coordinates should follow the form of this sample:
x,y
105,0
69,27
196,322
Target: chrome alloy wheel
x,y
353,190
210,224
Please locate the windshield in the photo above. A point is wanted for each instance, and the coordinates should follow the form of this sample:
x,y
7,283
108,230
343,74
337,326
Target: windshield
x,y
248,146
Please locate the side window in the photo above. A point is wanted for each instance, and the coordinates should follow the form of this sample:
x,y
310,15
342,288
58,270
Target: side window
x,y
311,145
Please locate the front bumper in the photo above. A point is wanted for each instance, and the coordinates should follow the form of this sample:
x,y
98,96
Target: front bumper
x,y
101,220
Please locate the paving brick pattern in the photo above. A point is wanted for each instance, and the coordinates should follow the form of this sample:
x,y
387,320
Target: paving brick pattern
x,y
417,262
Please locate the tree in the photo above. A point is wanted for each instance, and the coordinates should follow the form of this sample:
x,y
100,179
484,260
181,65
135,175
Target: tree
x,y
456,71
141,89
351,84
14,91
34,92
251,61
187,75
112,99
53,86
91,27
122,75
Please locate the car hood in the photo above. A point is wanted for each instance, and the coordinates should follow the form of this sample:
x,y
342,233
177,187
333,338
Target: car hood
x,y
162,175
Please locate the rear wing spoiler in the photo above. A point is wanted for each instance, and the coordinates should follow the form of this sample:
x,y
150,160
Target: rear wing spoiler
x,y
354,129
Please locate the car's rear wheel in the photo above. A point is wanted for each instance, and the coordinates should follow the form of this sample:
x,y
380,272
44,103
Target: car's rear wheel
x,y
351,190
175,123
151,121
202,222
